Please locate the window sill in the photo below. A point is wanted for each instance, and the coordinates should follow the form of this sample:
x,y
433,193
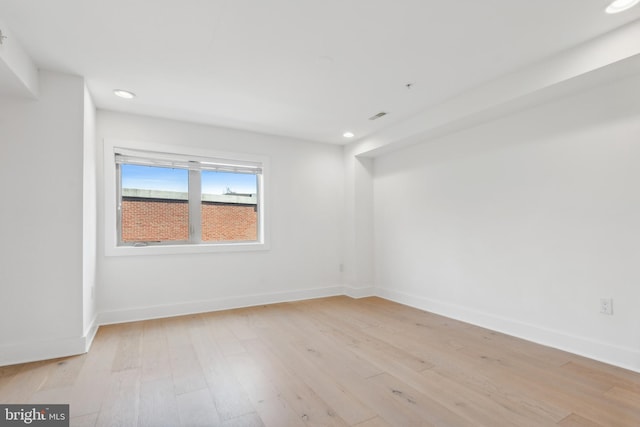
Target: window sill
x,y
186,249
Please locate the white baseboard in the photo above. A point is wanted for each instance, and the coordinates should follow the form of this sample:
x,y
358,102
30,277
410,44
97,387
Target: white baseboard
x,y
32,351
181,309
90,333
356,293
619,356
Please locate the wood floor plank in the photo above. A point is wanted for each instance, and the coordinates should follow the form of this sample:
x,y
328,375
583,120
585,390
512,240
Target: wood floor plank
x,y
197,409
327,363
309,407
626,400
601,376
327,386
273,409
129,351
422,341
534,408
589,405
374,422
377,351
331,361
120,406
316,338
241,324
92,383
158,404
64,372
270,404
9,371
246,420
88,420
26,382
186,370
416,408
155,361
228,395
575,420
60,395
475,406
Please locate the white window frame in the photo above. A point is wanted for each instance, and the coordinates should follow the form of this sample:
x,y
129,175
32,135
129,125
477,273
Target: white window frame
x,y
111,187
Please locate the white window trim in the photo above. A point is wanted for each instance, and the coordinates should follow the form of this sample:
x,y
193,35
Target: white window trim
x,y
110,202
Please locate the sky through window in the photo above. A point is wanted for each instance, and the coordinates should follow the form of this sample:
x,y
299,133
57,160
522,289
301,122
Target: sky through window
x,y
168,179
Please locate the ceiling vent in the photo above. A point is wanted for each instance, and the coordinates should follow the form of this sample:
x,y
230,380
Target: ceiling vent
x,y
377,116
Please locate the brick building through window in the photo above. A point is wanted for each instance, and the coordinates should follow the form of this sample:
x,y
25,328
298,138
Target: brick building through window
x,y
153,216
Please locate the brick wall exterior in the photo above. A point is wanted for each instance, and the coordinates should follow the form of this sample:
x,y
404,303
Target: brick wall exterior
x,y
151,220
229,222
168,220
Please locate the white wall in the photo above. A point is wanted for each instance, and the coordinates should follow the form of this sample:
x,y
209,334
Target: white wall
x,y
41,143
523,224
18,73
305,203
90,215
358,238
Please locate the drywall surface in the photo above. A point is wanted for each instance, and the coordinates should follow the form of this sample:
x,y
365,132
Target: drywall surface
x,y
305,205
41,222
90,214
358,237
18,73
523,224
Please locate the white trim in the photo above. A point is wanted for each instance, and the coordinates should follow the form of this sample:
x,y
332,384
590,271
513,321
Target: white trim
x,y
110,189
627,358
186,249
90,333
359,292
11,354
195,307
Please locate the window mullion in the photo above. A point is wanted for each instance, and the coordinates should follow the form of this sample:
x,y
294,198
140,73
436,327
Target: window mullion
x,y
259,192
195,208
119,203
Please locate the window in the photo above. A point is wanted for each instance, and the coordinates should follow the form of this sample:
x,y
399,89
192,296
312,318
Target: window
x,y
179,200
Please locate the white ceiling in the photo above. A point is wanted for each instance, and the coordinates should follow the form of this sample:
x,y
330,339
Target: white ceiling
x,y
298,68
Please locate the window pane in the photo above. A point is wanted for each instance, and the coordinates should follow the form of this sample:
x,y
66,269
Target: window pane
x,y
229,207
154,204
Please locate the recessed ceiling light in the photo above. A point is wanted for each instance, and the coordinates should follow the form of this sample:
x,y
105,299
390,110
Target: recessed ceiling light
x,y
621,5
348,134
124,94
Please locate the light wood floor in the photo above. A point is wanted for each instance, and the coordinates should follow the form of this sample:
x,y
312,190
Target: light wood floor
x,y
333,361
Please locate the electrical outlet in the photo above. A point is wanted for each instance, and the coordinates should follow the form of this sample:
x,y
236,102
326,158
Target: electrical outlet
x,y
606,306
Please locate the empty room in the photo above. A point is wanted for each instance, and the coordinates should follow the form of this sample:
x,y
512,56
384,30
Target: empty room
x,y
338,213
